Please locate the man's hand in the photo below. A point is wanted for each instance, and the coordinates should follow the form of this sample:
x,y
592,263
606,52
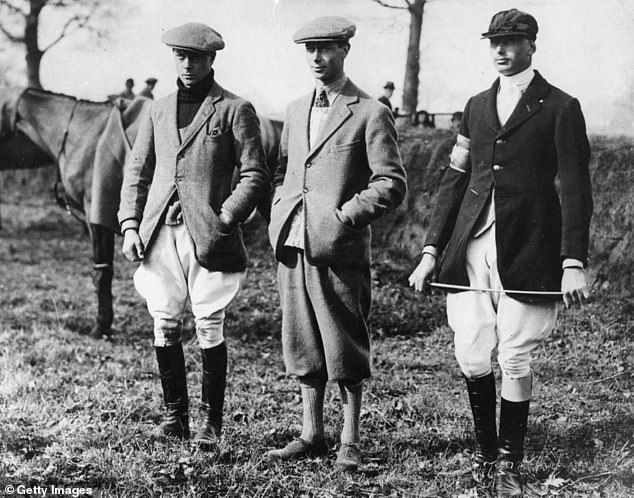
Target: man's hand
x,y
574,287
423,273
132,246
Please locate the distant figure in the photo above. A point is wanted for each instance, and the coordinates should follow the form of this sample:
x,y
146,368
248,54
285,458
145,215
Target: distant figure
x,y
388,91
426,119
456,118
128,93
150,83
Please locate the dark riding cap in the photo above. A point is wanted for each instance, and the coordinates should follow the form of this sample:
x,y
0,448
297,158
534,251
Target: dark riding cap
x,y
195,37
512,22
324,29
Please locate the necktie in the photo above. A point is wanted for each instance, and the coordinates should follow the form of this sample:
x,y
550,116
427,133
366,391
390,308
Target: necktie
x,y
322,100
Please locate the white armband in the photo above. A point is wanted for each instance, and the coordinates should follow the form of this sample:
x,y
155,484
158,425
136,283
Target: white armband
x,y
460,155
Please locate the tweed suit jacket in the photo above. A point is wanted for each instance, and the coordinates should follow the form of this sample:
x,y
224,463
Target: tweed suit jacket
x,y
538,224
224,135
351,176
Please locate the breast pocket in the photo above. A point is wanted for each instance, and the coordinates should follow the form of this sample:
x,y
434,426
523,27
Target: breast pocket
x,y
335,148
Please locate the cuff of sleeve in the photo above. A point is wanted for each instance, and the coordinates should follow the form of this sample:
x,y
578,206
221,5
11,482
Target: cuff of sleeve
x,y
129,224
572,263
431,250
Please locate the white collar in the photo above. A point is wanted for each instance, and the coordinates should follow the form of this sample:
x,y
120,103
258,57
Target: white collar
x,y
332,89
520,80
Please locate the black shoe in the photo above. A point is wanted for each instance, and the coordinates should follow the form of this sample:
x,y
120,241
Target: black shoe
x,y
171,363
508,479
298,448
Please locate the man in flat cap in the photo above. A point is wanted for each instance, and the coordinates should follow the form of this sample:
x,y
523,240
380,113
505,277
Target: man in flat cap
x,y
181,219
150,83
501,224
340,169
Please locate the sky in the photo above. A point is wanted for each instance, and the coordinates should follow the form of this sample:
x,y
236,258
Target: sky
x,y
583,47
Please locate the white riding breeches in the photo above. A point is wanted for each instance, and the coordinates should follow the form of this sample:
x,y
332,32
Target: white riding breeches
x,y
169,275
483,320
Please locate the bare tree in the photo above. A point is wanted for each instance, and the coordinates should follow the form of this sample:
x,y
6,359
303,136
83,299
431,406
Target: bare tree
x,y
20,24
412,65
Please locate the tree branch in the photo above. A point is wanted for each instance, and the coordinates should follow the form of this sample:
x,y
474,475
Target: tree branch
x,y
389,6
13,8
13,38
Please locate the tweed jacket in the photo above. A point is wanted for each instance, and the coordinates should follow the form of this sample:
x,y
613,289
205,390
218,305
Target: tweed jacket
x,y
224,135
351,176
538,224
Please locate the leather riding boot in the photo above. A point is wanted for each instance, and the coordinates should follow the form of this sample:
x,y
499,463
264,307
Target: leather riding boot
x,y
102,280
513,424
482,397
213,396
171,363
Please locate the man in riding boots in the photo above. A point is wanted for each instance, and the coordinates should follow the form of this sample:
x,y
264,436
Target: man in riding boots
x,y
181,219
501,224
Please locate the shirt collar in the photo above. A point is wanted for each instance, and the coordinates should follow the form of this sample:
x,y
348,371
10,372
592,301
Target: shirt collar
x,y
520,80
332,89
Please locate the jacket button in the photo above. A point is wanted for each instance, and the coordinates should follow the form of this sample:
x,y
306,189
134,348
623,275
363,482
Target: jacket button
x,y
305,189
497,167
500,141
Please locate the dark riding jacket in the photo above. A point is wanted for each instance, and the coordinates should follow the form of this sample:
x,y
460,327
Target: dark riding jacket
x,y
537,223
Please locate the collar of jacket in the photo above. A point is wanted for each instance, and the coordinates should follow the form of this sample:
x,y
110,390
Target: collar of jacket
x,y
339,112
207,109
529,104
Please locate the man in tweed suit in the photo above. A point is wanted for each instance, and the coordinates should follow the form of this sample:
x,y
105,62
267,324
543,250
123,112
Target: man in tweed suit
x,y
180,216
501,224
339,170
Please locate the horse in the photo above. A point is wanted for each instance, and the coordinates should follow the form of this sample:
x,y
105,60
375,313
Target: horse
x,y
88,142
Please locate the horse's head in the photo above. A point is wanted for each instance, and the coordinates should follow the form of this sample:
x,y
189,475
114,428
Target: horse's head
x,y
18,150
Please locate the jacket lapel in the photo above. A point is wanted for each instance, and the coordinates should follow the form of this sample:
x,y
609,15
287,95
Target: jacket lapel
x,y
303,113
171,111
337,115
529,104
490,107
207,108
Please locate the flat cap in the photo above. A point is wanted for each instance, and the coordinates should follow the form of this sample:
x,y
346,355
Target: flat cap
x,y
194,36
151,80
389,84
322,29
512,22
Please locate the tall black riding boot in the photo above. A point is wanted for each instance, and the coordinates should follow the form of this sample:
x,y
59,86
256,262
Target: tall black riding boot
x,y
513,423
213,396
102,279
482,396
171,363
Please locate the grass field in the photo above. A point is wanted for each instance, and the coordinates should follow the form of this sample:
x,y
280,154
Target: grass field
x,y
76,412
